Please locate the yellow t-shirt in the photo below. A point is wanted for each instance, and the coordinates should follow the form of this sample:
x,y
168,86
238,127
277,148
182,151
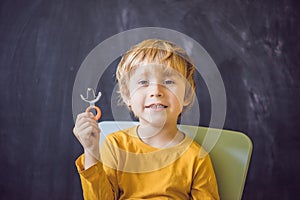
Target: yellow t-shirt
x,y
131,169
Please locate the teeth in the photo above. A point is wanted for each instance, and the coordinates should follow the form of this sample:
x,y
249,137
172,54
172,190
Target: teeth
x,y
156,106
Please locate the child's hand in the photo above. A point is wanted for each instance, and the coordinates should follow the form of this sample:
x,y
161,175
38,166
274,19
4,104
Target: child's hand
x,y
88,133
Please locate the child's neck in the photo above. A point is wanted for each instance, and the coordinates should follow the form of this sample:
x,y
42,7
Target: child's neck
x,y
160,136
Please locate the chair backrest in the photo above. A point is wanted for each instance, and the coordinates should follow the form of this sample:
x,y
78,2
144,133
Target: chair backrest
x,y
230,154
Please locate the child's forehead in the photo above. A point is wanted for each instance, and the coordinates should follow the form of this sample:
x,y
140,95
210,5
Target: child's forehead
x,y
154,69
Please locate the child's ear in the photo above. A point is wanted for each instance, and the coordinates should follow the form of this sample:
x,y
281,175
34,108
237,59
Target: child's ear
x,y
187,100
189,97
127,102
125,99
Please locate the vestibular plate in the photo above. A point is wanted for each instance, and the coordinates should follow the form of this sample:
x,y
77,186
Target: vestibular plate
x,y
91,98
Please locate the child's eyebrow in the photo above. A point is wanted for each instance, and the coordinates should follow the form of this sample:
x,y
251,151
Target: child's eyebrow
x,y
141,74
170,72
144,73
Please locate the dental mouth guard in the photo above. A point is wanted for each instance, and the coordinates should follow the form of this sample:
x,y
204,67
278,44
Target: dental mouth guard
x,y
91,98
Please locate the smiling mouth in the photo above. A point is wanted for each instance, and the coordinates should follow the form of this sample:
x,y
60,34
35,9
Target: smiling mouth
x,y
156,106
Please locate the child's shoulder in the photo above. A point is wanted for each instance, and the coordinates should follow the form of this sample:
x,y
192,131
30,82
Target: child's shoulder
x,y
122,137
194,147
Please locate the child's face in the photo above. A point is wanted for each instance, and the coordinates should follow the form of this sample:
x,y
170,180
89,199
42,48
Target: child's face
x,y
156,94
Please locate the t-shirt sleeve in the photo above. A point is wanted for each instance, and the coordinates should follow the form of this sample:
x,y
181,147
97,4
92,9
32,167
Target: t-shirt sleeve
x,y
95,182
204,182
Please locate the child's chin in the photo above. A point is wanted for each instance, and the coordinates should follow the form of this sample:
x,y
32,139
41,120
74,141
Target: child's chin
x,y
157,120
157,123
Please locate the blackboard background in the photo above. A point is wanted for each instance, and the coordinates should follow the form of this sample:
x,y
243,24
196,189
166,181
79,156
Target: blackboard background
x,y
43,43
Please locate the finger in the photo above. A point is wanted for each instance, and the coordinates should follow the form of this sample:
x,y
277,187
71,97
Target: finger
x,y
89,129
75,130
91,114
79,116
84,115
76,133
89,135
83,120
88,124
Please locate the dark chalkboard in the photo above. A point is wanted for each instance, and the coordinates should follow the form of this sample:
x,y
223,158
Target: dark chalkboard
x,y
255,45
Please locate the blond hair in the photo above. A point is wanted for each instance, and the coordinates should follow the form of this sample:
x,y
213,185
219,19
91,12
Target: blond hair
x,y
158,52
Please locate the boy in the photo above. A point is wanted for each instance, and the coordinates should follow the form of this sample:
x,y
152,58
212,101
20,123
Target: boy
x,y
153,160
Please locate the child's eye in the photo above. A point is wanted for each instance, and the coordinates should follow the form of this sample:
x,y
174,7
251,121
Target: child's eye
x,y
143,82
169,82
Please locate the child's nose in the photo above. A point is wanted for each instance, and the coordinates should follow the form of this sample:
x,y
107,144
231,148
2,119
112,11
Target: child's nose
x,y
156,90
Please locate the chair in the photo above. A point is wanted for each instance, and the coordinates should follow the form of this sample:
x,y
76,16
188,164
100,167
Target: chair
x,y
230,155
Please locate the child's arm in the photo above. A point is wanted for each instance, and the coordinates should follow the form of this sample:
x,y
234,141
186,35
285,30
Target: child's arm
x,y
95,183
204,182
